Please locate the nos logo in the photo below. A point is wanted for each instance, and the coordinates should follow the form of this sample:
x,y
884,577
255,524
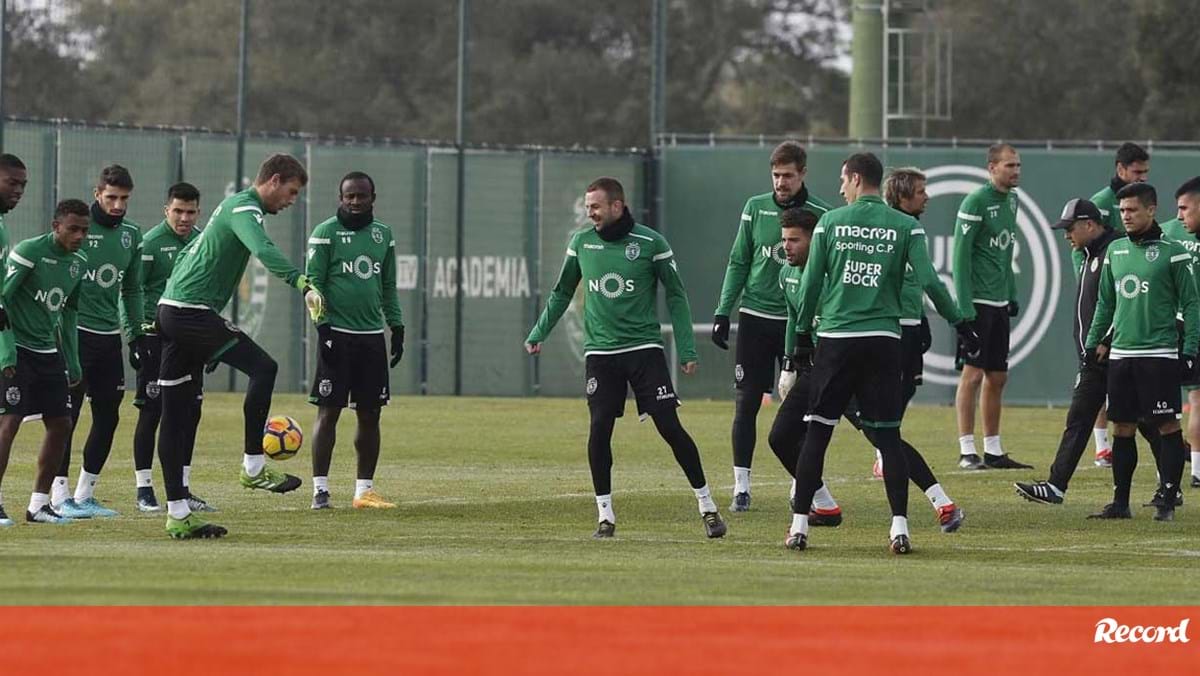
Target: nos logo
x,y
610,285
1035,261
775,252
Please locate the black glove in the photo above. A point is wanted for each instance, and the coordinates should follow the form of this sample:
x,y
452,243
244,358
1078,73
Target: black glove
x,y
969,338
1014,308
212,366
3,319
926,335
720,334
1090,357
397,345
1187,368
802,353
136,347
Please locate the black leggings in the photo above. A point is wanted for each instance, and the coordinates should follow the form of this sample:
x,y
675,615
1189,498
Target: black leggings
x,y
667,423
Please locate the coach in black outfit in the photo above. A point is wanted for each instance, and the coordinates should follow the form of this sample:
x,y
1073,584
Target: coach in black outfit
x,y
1087,233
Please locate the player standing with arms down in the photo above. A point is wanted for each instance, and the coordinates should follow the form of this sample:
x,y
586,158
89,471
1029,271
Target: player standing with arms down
x,y
352,261
622,263
113,278
986,290
753,277
161,248
1145,282
862,250
1185,229
194,334
41,295
13,178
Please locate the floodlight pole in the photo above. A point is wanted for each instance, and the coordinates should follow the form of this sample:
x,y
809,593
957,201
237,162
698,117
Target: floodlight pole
x,y
460,136
240,161
658,72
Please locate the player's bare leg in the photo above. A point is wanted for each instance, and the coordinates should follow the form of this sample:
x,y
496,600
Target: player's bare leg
x,y
366,447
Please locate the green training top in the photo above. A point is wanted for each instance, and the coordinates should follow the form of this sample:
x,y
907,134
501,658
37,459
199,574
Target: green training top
x,y
356,272
212,266
114,274
160,251
621,286
1106,202
42,291
757,256
1143,285
984,232
863,249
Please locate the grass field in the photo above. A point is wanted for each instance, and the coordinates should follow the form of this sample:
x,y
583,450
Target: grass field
x,y
496,508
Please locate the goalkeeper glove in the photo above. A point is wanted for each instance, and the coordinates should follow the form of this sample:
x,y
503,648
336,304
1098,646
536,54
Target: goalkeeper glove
x,y
397,345
720,331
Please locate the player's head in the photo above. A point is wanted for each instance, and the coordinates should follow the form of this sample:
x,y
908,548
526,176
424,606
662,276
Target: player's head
x,y
904,189
279,181
113,189
356,193
1187,202
1133,163
1080,222
604,201
789,164
182,208
72,218
13,178
797,228
861,175
1137,202
1004,166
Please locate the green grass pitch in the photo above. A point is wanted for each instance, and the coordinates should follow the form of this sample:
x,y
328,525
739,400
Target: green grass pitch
x,y
496,508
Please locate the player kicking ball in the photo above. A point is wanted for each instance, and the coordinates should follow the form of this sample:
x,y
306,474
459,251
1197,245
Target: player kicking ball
x,y
352,261
621,264
41,294
194,333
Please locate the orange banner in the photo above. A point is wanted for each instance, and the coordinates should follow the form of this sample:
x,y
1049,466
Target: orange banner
x,y
608,641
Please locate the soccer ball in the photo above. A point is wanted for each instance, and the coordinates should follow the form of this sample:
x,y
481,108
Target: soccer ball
x,y
282,438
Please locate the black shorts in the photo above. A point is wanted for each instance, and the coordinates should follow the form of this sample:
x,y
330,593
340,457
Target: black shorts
x,y
992,324
608,376
1143,389
147,376
191,337
866,370
39,386
352,372
912,357
759,350
103,365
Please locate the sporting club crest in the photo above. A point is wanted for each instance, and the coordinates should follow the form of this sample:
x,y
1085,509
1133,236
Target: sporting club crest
x,y
591,386
13,396
377,235
325,387
1152,253
739,373
153,389
126,239
633,250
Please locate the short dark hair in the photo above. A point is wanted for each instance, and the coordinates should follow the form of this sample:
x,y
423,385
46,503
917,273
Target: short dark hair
x,y
995,150
1144,192
71,207
10,161
288,168
357,176
1129,153
184,192
798,217
116,176
789,152
611,187
867,166
1189,187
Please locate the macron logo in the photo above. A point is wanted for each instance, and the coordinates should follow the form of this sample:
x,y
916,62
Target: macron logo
x,y
1109,630
966,228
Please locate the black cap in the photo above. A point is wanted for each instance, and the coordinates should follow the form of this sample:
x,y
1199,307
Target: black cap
x,y
1078,209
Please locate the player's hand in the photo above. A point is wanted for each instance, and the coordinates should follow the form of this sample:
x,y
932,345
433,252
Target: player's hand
x,y
787,378
926,335
397,345
972,345
3,319
315,303
688,368
803,352
212,366
533,348
136,349
10,371
720,332
325,343
1014,308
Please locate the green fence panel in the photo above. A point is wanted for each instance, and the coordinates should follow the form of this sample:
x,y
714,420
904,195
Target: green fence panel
x,y
399,176
151,157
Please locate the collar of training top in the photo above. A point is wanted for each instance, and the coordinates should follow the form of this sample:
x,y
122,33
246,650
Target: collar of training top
x,y
618,228
355,221
1152,234
102,217
1115,184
